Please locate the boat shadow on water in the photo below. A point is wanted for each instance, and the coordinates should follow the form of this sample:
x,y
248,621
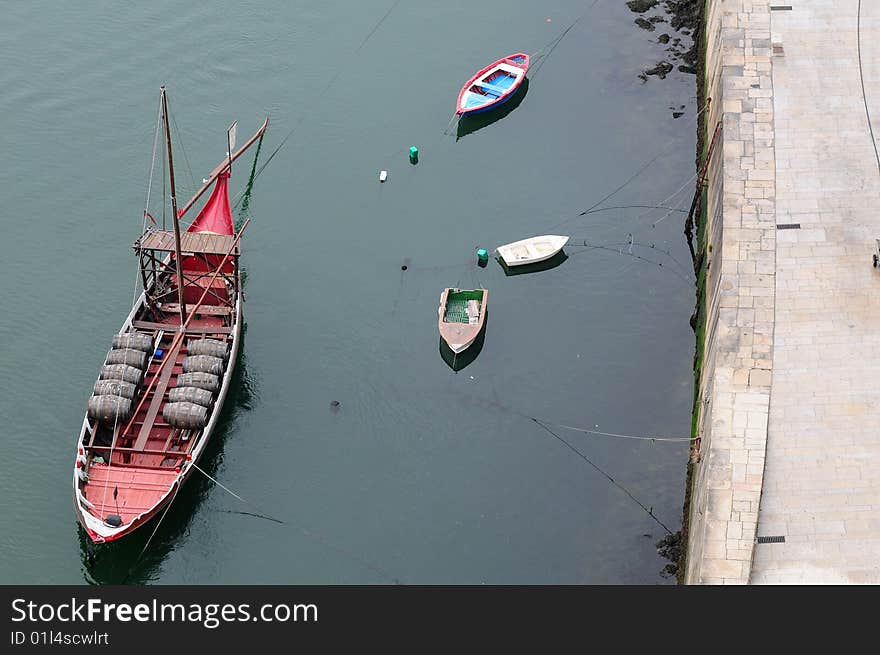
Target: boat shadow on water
x,y
121,562
525,269
461,360
470,124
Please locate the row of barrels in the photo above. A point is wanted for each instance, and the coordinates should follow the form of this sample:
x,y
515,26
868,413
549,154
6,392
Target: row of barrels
x,y
189,402
123,371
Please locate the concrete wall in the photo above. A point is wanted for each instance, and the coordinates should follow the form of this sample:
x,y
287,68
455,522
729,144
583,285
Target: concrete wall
x,y
740,294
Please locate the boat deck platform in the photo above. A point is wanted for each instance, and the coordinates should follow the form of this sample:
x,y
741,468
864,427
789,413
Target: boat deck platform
x,y
190,242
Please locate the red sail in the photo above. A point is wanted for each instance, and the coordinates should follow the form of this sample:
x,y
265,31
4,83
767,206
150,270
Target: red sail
x,y
216,216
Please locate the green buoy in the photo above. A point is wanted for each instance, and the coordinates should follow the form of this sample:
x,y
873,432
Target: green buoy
x,y
482,255
413,155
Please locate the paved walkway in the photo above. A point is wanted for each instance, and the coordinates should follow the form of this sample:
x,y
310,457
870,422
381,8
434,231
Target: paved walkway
x,y
821,486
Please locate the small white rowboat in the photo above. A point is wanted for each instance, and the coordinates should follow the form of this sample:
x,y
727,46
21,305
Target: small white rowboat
x,y
533,250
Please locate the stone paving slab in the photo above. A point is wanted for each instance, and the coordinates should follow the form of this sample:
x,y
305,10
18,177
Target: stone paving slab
x,y
821,484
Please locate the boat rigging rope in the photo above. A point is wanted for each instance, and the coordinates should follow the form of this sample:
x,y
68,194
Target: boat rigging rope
x,y
862,80
244,198
648,511
192,179
164,179
134,295
152,168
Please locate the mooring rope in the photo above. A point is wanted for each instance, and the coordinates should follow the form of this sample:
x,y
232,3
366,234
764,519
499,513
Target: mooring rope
x,y
619,251
605,209
377,26
352,556
683,272
231,492
506,409
641,169
153,534
648,511
667,199
552,45
621,436
332,81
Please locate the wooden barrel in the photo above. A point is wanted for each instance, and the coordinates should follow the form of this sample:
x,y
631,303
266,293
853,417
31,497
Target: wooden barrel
x,y
203,364
206,381
212,347
122,372
109,408
114,388
134,340
130,356
188,416
195,395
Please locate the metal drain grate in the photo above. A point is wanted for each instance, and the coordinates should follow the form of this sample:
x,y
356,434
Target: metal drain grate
x,y
778,539
780,7
788,226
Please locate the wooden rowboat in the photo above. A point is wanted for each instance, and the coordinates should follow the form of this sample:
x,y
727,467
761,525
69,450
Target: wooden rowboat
x,y
493,85
165,379
532,250
461,316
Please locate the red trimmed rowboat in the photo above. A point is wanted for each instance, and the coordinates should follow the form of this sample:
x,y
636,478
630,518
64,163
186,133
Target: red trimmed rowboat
x,y
163,383
493,85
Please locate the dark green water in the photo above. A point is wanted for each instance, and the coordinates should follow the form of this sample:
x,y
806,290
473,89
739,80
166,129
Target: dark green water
x,y
421,475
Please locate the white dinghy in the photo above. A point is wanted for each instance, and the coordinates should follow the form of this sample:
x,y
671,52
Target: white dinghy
x,y
533,250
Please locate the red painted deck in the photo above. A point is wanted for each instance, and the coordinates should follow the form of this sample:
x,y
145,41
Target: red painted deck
x,y
139,489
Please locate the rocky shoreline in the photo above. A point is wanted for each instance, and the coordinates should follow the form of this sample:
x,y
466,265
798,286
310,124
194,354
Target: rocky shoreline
x,y
684,20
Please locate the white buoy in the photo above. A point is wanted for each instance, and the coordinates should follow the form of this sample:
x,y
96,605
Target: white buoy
x,y
383,175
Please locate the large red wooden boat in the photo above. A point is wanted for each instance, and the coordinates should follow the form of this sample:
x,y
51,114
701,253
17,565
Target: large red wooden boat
x,y
163,382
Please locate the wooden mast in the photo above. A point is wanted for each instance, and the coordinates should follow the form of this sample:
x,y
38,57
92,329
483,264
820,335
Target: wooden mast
x,y
180,295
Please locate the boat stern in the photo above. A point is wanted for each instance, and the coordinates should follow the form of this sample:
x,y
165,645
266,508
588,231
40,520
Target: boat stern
x,y
122,499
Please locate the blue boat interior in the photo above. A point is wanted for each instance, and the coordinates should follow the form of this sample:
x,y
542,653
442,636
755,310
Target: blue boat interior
x,y
496,86
475,100
502,79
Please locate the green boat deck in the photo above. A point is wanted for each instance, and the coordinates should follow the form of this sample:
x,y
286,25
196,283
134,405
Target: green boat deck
x,y
457,305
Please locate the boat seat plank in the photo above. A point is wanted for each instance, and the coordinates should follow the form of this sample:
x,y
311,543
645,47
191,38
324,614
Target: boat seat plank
x,y
158,398
492,88
213,310
172,327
